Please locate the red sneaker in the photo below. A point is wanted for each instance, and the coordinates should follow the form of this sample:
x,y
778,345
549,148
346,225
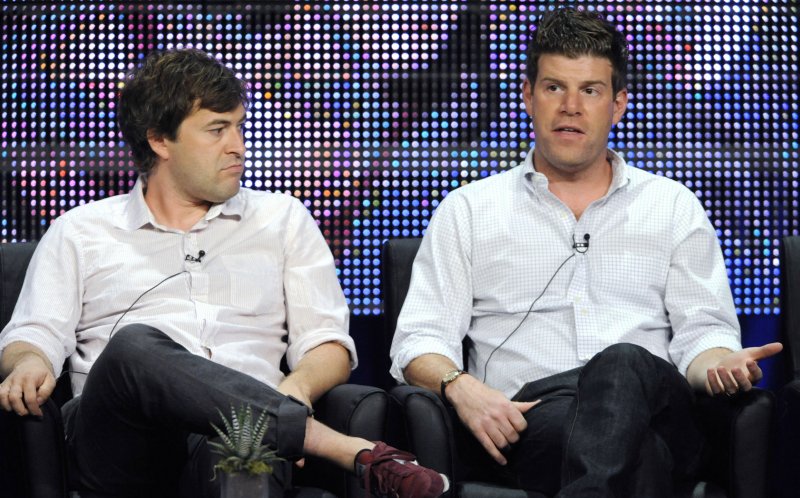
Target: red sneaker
x,y
389,472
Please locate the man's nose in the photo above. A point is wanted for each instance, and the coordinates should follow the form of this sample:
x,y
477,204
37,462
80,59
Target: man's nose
x,y
571,103
236,142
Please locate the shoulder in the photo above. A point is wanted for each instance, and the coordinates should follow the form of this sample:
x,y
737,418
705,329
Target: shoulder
x,y
493,188
259,200
490,184
274,208
668,198
659,185
477,202
102,208
88,223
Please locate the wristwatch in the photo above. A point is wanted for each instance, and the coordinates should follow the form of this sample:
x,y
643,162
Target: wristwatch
x,y
448,378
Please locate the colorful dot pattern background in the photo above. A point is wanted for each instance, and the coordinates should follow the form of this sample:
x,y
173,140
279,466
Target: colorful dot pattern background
x,y
371,112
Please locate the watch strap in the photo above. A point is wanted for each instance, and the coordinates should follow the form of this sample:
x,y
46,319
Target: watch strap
x,y
447,379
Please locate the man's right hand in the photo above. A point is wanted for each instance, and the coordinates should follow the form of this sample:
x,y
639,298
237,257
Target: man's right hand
x,y
29,383
495,420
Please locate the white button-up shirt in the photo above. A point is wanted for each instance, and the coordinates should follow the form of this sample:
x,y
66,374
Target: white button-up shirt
x,y
266,285
652,275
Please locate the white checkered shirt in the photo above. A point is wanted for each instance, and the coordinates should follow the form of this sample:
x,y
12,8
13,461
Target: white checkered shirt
x,y
652,275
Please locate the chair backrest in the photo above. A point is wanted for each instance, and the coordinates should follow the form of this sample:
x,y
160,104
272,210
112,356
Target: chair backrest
x,y
14,259
790,303
32,449
398,258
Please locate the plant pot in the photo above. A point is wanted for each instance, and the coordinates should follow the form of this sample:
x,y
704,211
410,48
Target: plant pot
x,y
244,485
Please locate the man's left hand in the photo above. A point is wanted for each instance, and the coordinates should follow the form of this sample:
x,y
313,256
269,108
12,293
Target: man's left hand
x,y
738,371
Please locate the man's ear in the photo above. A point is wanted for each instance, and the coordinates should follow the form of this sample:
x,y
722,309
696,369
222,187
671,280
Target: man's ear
x,y
620,105
527,96
159,144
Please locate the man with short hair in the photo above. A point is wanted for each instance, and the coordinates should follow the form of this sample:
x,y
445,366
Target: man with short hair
x,y
594,296
180,298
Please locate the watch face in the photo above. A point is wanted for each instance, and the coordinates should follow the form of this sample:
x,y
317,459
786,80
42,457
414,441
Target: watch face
x,y
451,376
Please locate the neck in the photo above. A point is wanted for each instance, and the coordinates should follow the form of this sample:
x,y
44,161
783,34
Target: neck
x,y
170,208
577,190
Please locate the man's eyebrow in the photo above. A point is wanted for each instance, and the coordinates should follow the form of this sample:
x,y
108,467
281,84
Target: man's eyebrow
x,y
594,83
225,122
215,122
549,79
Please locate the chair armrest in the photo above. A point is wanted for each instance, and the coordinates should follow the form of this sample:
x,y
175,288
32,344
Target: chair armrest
x,y
787,441
428,428
484,490
428,431
35,451
354,410
738,430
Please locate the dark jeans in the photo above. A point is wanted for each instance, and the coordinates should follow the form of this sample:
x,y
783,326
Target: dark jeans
x,y
620,426
145,410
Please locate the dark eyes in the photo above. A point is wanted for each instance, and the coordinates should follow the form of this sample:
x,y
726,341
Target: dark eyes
x,y
588,91
221,129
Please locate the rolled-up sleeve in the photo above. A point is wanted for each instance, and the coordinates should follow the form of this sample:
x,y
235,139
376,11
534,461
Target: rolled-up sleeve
x,y
437,311
316,310
49,305
698,296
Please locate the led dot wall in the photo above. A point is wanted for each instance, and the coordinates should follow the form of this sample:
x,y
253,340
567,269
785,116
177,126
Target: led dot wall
x,y
372,112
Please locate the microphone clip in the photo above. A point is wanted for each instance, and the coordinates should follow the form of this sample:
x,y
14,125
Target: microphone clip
x,y
198,259
581,247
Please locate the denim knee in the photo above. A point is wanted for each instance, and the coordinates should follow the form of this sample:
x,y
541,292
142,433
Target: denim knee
x,y
628,366
126,346
622,364
133,335
624,354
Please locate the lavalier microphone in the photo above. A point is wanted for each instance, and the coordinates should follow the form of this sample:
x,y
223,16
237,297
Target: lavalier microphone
x,y
581,247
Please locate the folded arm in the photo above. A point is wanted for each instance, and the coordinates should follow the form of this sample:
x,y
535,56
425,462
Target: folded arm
x,y
321,369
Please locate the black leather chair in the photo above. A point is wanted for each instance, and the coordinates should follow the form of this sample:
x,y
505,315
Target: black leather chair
x,y
787,483
33,461
737,428
790,304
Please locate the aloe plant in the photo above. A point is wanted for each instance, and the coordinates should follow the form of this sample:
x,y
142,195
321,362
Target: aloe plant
x,y
241,445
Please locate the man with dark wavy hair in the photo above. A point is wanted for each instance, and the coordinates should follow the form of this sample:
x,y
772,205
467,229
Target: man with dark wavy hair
x,y
181,298
594,296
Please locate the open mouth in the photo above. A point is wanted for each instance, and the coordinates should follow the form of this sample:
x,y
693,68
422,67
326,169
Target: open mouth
x,y
569,129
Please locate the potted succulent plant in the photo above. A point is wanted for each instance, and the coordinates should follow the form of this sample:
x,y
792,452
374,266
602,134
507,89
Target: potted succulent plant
x,y
246,462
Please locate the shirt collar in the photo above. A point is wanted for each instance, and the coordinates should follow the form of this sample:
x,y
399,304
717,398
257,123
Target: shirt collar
x,y
137,214
620,176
